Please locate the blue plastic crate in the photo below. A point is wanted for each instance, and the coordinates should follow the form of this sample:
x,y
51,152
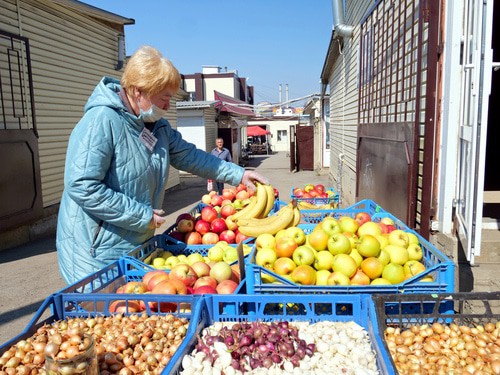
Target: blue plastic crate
x,y
54,309
287,307
406,310
333,199
438,265
365,205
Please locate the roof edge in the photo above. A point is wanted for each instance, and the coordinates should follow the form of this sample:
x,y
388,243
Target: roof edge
x,y
95,12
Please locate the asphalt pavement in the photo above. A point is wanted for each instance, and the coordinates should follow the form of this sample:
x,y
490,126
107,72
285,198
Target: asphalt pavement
x,y
29,273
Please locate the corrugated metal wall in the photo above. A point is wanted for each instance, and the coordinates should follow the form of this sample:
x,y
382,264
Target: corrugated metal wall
x,y
69,54
210,127
343,84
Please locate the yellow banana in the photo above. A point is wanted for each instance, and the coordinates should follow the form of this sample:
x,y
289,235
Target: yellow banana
x,y
307,206
296,216
279,222
270,201
260,204
256,221
247,208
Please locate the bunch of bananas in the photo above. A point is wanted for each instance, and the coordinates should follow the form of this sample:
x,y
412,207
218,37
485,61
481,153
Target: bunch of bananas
x,y
253,219
304,205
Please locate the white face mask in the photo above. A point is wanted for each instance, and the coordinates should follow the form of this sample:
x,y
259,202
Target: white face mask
x,y
153,114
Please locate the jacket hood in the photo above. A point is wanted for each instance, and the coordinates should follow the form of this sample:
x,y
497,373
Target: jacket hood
x,y
106,94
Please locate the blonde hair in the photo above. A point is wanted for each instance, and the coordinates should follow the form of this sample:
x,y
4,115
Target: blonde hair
x,y
150,72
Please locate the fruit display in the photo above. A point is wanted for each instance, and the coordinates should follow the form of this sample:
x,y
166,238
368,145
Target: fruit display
x,y
445,348
221,251
218,220
343,251
315,197
280,347
199,277
120,345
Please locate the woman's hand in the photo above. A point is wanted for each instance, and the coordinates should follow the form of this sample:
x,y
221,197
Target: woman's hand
x,y
158,219
250,177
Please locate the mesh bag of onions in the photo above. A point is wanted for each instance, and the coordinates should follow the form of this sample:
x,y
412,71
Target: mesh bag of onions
x,y
282,348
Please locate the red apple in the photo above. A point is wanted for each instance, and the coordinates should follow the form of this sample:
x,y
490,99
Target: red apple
x,y
201,268
240,237
242,195
205,280
149,275
216,200
225,202
241,187
228,235
208,214
185,225
227,210
205,289
184,216
210,238
185,273
298,192
320,188
226,287
156,279
176,235
218,225
362,217
202,226
135,287
192,238
229,194
285,246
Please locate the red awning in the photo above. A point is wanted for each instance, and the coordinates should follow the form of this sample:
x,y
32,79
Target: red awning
x,y
253,131
232,105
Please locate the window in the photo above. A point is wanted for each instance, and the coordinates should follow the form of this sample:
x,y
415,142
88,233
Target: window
x,y
282,136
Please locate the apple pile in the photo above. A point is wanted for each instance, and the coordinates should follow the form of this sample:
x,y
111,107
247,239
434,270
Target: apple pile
x,y
342,251
198,278
213,223
312,191
221,251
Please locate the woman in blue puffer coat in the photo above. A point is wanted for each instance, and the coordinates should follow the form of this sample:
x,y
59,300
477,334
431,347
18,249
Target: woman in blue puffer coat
x,y
117,166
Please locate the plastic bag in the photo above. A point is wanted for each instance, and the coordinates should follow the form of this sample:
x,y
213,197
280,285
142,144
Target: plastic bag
x,y
210,185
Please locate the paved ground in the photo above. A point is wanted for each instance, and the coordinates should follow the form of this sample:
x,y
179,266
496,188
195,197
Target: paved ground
x,y
29,273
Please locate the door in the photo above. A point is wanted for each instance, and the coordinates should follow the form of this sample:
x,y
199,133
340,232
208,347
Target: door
x,y
477,68
305,147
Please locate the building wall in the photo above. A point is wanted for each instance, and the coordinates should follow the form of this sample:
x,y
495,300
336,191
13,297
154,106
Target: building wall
x,y
223,85
69,55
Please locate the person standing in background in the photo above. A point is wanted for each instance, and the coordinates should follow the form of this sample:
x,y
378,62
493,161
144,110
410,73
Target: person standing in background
x,y
222,153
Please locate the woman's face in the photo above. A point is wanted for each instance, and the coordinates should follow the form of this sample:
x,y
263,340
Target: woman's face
x,y
161,100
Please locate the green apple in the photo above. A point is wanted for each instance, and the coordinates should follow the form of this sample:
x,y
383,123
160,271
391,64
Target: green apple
x,y
322,277
265,240
384,257
368,246
348,224
370,227
338,243
330,225
345,264
380,281
303,255
394,273
412,268
158,262
357,257
297,234
230,254
170,262
182,258
165,254
323,261
194,257
398,254
398,237
266,257
216,253
415,251
337,278
412,238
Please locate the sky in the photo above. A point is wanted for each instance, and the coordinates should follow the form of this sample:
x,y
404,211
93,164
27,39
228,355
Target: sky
x,y
268,42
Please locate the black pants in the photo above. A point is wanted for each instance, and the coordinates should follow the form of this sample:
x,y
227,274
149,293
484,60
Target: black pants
x,y
219,186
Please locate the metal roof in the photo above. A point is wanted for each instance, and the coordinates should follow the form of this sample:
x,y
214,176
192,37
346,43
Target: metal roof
x,y
95,12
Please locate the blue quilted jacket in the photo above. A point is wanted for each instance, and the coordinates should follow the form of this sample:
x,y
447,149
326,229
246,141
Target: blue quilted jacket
x,y
112,182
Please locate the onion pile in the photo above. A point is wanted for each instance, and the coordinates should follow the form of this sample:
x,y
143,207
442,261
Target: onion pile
x,y
445,349
281,348
124,345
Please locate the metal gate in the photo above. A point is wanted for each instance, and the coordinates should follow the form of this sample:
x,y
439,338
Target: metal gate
x,y
477,66
20,186
398,58
305,147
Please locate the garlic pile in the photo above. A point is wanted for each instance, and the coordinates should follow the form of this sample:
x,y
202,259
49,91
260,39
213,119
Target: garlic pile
x,y
340,348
